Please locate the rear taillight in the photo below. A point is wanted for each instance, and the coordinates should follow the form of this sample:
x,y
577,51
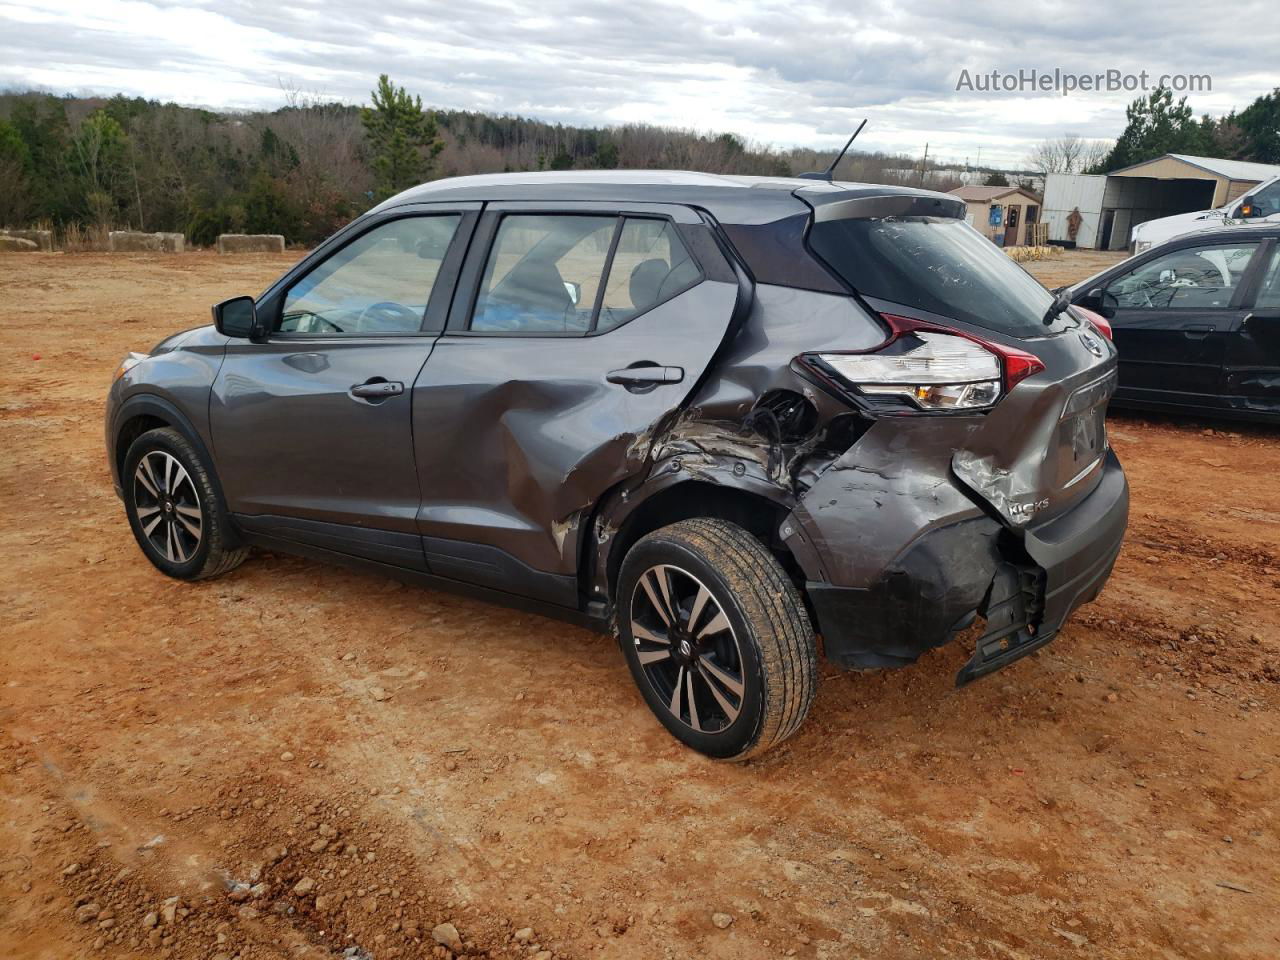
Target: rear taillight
x,y
1097,321
930,367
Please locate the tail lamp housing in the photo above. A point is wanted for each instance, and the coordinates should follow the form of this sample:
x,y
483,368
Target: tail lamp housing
x,y
928,367
1097,321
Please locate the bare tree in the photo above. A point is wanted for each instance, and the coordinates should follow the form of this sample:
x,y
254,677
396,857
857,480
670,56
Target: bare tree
x,y
1067,154
1095,152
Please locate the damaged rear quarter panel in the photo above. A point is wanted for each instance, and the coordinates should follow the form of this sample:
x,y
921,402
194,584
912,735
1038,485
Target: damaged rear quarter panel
x,y
896,478
722,437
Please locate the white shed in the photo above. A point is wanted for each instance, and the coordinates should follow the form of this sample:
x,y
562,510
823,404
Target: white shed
x,y
1065,192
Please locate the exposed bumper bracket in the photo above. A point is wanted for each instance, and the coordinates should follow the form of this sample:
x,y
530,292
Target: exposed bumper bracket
x,y
1013,607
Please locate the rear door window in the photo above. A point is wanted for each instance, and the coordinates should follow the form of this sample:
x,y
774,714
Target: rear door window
x,y
650,265
543,274
938,264
1269,295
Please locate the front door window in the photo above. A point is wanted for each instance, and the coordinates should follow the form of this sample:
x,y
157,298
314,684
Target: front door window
x,y
1193,278
378,283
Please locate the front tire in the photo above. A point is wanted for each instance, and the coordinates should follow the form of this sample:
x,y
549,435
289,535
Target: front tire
x,y
717,638
174,509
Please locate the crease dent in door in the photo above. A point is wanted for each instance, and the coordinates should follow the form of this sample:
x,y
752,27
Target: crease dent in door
x,y
535,434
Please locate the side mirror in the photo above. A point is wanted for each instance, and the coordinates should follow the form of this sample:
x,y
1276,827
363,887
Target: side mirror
x,y
237,317
1248,209
1092,300
1097,301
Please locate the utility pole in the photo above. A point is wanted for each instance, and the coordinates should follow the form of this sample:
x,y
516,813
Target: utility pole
x,y
924,163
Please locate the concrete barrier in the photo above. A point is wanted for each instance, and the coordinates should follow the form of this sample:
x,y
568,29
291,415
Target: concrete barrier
x,y
17,245
132,241
43,239
250,243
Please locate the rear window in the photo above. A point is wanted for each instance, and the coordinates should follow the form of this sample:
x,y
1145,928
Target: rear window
x,y
937,264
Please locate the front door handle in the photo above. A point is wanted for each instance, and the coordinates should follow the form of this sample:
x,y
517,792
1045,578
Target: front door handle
x,y
648,376
1197,331
377,389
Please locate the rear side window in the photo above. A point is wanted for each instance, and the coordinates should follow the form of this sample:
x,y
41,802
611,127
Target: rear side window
x,y
650,265
575,275
543,274
937,264
1269,295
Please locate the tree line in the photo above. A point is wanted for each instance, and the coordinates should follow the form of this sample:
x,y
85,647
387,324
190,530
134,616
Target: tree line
x,y
1155,125
308,167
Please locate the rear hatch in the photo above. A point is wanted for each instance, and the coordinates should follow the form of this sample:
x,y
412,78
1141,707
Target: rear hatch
x,y
1041,448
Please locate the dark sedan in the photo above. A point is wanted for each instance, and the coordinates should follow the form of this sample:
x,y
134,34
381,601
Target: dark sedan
x,y
1197,323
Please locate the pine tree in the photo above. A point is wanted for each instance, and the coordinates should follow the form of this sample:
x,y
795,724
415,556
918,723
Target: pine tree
x,y
1156,126
402,136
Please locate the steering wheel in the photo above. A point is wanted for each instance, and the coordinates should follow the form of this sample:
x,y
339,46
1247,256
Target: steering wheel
x,y
392,311
1143,288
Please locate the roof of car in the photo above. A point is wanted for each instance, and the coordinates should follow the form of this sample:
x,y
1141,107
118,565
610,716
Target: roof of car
x,y
1255,231
731,199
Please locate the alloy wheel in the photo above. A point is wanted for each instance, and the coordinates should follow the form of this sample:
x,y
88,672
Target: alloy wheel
x,y
687,649
168,506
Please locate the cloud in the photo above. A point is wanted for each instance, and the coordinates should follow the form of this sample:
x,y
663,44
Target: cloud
x,y
795,73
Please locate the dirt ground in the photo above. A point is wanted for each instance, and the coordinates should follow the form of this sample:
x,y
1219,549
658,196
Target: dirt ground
x,y
299,761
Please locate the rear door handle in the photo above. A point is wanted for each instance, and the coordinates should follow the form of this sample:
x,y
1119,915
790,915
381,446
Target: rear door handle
x,y
645,376
1198,331
378,389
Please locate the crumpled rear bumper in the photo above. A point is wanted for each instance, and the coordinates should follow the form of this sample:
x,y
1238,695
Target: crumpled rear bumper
x,y
1024,583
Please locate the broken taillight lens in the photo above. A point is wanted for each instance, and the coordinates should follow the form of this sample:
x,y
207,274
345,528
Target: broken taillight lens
x,y
930,367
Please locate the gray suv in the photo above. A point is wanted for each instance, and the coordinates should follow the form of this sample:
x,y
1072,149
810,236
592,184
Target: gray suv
x,y
717,416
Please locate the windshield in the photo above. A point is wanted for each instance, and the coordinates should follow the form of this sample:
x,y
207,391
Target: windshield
x,y
937,264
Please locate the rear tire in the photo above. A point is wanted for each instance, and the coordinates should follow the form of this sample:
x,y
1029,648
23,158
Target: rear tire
x,y
174,509
717,638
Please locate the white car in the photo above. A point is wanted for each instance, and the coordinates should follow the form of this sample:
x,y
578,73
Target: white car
x,y
1259,205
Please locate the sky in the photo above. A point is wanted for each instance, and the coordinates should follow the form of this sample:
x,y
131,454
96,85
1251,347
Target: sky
x,y
792,73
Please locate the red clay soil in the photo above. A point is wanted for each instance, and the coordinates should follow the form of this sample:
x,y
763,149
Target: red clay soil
x,y
299,761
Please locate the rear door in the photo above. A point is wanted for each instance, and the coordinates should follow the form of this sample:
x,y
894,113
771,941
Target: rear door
x,y
312,427
1251,379
576,328
1174,313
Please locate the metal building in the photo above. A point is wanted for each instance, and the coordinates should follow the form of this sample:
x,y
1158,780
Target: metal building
x,y
1104,208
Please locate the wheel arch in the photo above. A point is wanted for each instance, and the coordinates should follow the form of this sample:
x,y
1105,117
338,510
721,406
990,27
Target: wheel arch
x,y
145,411
759,515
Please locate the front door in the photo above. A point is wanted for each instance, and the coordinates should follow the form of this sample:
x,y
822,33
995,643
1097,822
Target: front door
x,y
1174,313
312,428
574,332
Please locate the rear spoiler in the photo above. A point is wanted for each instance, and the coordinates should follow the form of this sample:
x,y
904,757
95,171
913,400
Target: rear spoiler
x,y
830,206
